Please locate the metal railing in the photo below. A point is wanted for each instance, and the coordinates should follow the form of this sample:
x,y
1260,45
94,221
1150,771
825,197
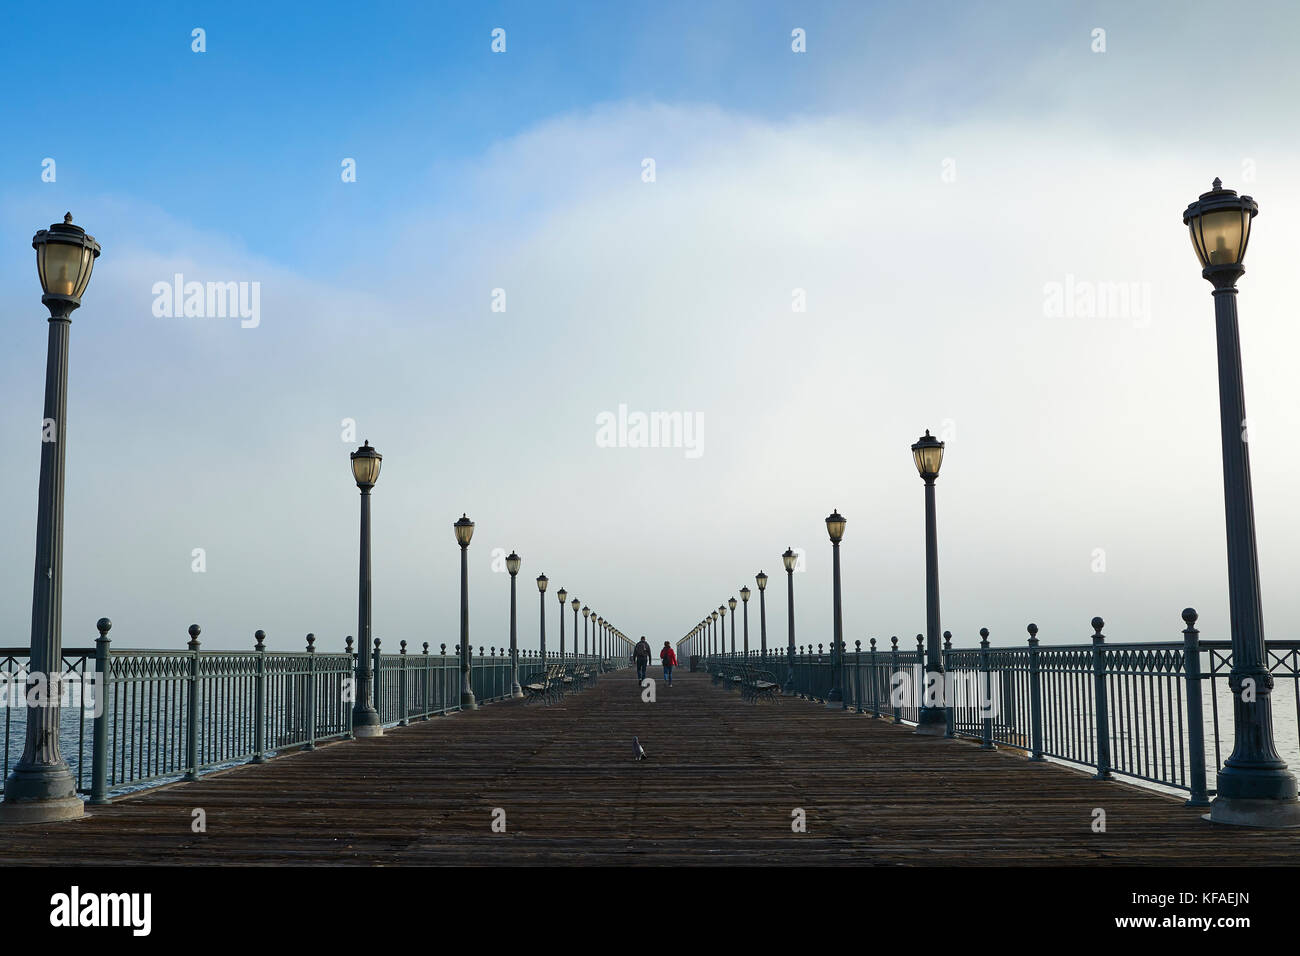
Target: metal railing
x,y
1158,713
137,718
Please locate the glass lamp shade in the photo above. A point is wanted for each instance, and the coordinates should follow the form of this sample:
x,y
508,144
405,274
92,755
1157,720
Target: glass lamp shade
x,y
65,258
722,609
714,615
928,455
835,523
575,605
731,603
562,595
464,531
513,563
744,595
586,612
542,581
365,466
789,559
761,578
1219,224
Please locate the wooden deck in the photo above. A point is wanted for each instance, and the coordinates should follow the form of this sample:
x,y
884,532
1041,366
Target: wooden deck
x,y
719,787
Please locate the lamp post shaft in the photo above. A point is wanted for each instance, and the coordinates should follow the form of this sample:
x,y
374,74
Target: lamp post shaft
x,y
515,689
365,719
762,620
467,701
746,628
836,695
933,719
542,625
1254,771
41,786
789,651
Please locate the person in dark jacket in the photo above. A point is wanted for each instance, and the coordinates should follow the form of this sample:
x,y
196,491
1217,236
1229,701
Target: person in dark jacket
x,y
641,655
669,660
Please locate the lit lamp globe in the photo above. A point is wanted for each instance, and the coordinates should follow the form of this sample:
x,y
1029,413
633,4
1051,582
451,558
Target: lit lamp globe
x,y
365,466
464,529
927,452
65,258
1219,223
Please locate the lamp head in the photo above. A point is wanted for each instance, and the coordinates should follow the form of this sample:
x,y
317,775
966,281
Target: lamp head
x,y
365,466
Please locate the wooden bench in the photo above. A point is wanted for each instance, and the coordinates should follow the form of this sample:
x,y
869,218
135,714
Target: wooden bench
x,y
758,685
545,686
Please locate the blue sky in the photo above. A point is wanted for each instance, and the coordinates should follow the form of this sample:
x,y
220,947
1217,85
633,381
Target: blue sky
x,y
776,171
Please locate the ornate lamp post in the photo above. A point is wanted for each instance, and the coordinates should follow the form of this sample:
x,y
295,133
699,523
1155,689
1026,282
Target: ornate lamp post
x,y
586,613
41,786
761,580
932,720
731,603
464,529
1255,787
513,563
744,596
542,581
789,559
365,719
718,647
575,605
562,594
835,523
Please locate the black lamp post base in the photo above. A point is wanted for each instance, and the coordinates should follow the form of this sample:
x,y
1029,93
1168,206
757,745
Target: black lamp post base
x,y
366,724
1255,812
41,811
932,722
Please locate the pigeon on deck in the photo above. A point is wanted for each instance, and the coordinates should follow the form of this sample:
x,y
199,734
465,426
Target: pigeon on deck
x,y
638,749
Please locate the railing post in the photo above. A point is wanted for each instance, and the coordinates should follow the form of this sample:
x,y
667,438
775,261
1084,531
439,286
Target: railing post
x,y
374,689
893,693
352,656
442,681
259,698
1195,715
986,692
402,701
949,715
857,675
875,682
99,746
1035,698
311,693
425,663
1099,692
192,717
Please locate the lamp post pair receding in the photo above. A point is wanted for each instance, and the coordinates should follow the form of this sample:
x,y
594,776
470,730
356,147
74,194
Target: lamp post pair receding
x,y
41,786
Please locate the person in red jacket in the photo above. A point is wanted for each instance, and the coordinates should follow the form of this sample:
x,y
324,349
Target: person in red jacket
x,y
669,660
